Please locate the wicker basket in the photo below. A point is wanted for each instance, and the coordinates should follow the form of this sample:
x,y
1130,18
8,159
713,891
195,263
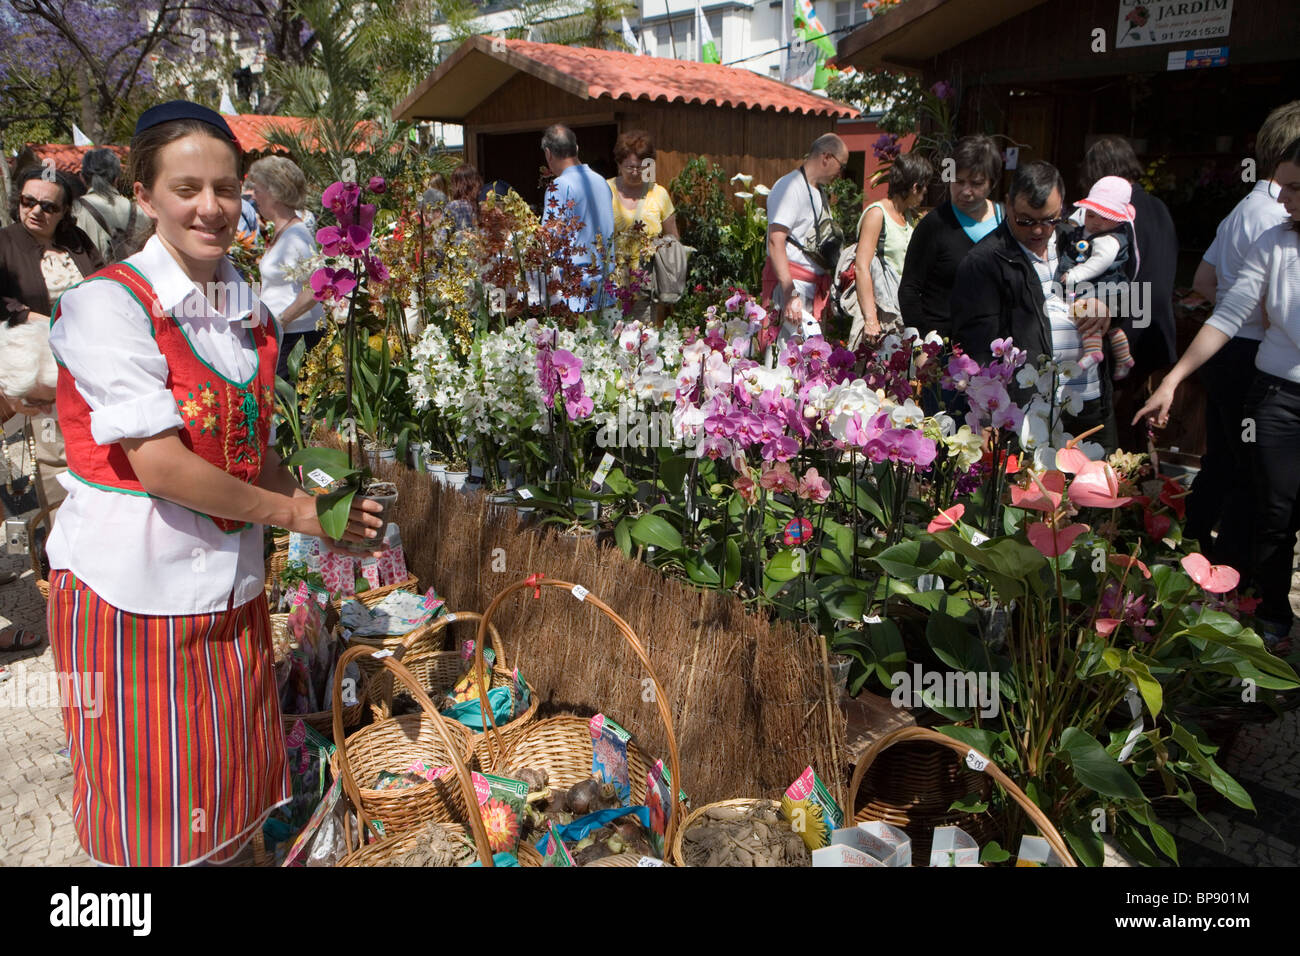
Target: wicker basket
x,y
1008,786
375,595
323,721
421,811
438,670
679,854
391,745
378,854
561,745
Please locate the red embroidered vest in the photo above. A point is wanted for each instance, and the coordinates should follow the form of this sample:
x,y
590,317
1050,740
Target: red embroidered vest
x,y
226,423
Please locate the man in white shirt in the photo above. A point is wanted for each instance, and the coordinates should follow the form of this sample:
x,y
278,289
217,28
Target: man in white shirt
x,y
797,274
1218,495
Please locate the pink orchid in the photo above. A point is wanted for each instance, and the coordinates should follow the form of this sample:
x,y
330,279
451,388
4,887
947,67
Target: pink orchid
x,y
746,487
329,284
778,477
814,487
781,449
568,365
714,447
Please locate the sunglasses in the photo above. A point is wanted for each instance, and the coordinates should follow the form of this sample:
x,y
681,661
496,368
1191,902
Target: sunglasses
x,y
50,208
1025,222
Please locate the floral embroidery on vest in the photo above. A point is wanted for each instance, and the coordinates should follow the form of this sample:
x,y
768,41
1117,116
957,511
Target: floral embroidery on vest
x,y
200,411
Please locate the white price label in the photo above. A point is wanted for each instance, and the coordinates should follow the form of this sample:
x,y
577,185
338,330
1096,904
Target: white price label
x,y
602,470
379,655
1134,735
525,493
580,592
978,538
975,761
320,476
451,618
649,861
871,619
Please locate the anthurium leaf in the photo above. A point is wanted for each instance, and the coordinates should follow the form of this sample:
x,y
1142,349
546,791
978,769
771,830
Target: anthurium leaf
x,y
985,741
332,461
909,559
971,803
1085,842
654,530
954,644
993,853
1096,769
1209,770
1147,686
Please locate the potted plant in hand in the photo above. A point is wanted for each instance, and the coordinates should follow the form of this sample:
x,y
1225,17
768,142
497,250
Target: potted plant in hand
x,y
335,476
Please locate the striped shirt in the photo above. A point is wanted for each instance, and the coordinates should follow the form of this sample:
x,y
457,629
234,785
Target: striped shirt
x,y
1067,343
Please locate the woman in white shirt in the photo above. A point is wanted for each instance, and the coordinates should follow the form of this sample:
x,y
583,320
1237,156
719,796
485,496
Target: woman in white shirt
x,y
1269,277
157,614
280,189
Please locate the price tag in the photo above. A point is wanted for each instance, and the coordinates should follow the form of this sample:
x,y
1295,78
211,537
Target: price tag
x,y
580,592
451,618
1133,699
380,655
1134,735
871,619
525,493
649,861
978,538
975,761
602,471
320,476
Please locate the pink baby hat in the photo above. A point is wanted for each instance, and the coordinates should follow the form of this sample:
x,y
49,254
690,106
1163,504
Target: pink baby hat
x,y
1111,197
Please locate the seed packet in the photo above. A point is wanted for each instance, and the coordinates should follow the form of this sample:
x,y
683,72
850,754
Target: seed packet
x,y
520,695
953,846
501,801
1035,851
370,570
396,781
658,793
553,850
609,755
392,563
467,687
811,810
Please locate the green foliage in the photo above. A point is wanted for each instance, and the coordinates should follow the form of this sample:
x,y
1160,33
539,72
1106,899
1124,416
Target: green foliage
x,y
846,205
898,94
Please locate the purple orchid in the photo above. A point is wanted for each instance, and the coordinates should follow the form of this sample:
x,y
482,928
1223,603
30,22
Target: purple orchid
x,y
780,449
329,284
569,367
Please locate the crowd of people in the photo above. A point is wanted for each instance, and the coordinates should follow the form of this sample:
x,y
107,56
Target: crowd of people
x,y
162,448
1094,287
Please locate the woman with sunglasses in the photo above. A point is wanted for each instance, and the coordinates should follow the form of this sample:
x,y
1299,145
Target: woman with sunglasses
x,y
42,254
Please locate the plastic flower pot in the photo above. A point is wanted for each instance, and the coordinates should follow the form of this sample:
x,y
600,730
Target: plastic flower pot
x,y
455,480
384,492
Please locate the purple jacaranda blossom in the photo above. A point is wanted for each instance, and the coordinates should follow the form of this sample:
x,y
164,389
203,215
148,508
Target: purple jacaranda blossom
x,y
328,284
569,367
378,184
780,449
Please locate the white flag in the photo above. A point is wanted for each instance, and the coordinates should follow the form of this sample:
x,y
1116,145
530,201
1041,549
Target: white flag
x,y
226,106
631,39
708,48
79,138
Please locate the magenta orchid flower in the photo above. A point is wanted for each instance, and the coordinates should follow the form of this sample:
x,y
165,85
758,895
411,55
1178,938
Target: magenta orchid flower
x,y
329,284
781,449
568,365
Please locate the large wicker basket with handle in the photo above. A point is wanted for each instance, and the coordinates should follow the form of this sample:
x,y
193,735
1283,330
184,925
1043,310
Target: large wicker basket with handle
x,y
391,746
438,670
393,845
561,746
975,760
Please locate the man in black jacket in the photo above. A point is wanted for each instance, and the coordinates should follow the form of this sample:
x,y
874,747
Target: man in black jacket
x,y
1007,287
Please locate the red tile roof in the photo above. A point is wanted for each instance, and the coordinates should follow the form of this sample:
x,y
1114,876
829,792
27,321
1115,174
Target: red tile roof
x,y
593,73
627,76
66,157
248,128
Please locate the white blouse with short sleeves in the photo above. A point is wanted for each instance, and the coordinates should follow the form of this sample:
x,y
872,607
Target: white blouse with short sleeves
x,y
149,555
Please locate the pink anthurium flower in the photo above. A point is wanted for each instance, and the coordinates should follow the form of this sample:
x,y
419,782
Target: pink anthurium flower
x,y
1045,495
1096,485
946,518
1053,543
1215,578
1071,461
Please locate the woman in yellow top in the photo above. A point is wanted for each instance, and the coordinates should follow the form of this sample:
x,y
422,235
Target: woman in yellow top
x,y
638,199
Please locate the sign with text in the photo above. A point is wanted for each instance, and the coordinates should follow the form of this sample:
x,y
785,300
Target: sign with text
x,y
1198,59
1171,21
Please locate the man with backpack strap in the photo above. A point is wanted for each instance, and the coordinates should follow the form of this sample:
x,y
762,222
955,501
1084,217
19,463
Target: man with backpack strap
x,y
103,213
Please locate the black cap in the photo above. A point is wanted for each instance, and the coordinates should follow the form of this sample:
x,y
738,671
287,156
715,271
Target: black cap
x,y
183,109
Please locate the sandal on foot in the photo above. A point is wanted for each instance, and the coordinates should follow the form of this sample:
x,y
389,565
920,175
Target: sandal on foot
x,y
17,639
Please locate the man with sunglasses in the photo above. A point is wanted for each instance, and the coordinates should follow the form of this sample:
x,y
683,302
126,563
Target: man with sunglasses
x,y
1007,287
803,241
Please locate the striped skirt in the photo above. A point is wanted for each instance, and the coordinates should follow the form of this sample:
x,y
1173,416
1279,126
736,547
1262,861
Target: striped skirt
x,y
173,727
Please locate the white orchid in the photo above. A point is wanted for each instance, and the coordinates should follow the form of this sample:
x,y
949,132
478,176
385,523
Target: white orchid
x,y
907,415
762,190
965,445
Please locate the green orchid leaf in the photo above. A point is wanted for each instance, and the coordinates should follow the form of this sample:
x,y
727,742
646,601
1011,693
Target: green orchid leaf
x,y
651,529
